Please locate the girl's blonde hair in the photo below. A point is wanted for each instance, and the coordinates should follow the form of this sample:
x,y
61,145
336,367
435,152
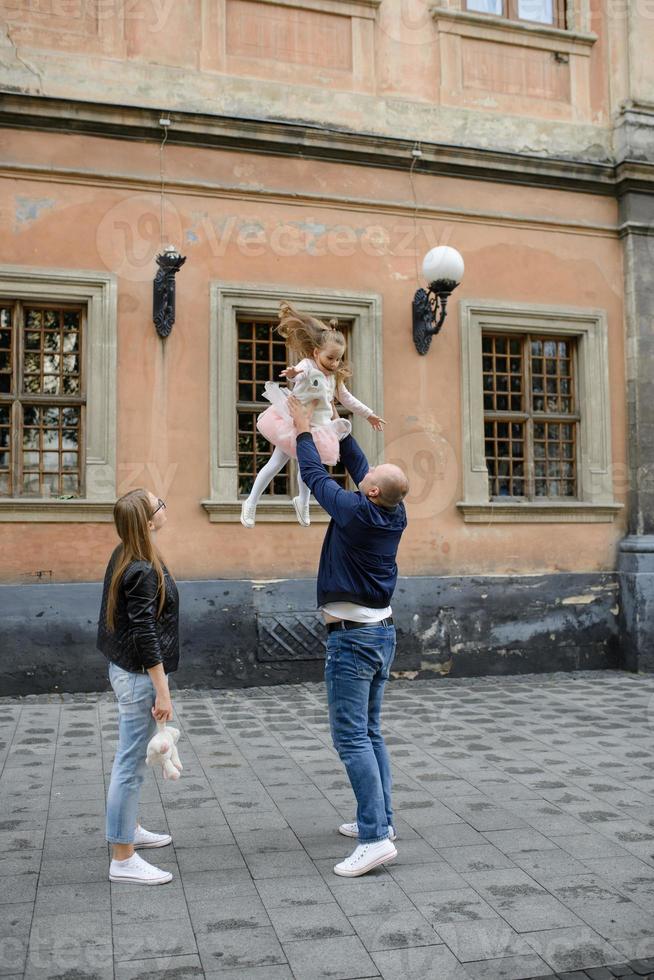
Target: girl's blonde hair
x,y
304,333
132,512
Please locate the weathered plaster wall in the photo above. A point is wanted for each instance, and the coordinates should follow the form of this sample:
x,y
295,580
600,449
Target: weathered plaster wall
x,y
446,627
77,201
395,71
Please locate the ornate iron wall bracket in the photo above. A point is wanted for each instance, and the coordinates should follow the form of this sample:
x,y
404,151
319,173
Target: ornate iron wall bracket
x,y
429,312
163,290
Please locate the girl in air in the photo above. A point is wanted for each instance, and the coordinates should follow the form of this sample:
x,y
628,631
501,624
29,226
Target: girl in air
x,y
318,379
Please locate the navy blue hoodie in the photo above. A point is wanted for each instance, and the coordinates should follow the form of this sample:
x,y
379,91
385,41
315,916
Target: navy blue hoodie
x,y
358,557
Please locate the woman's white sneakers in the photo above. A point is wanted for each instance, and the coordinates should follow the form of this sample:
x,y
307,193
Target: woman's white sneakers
x,y
145,838
366,857
138,872
301,512
352,830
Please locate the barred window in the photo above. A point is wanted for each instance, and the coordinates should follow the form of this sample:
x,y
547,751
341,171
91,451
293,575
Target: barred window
x,y
262,356
42,399
531,417
536,11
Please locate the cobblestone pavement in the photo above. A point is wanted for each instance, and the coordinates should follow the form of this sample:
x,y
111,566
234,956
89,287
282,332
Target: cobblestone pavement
x,y
525,819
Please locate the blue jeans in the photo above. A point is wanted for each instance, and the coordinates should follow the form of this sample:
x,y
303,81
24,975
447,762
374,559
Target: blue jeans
x,y
136,726
356,670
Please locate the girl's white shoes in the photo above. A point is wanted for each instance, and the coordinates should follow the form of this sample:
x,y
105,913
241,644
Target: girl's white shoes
x,y
365,858
248,513
302,512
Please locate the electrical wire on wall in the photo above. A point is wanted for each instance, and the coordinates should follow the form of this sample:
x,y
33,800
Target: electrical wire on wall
x,y
416,154
164,122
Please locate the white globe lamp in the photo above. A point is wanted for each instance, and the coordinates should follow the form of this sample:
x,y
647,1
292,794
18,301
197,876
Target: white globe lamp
x,y
443,269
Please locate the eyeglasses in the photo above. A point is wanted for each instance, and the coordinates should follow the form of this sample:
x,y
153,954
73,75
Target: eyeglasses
x,y
160,505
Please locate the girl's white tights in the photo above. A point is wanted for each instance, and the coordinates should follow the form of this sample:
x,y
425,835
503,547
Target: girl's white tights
x,y
267,474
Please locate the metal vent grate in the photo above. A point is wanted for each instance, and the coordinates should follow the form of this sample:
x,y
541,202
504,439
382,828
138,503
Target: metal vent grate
x,y
290,636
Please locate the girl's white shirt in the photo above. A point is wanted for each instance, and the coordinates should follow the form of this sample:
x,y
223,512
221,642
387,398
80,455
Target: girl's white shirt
x,y
304,385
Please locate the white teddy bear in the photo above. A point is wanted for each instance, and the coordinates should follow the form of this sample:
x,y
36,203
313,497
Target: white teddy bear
x,y
162,750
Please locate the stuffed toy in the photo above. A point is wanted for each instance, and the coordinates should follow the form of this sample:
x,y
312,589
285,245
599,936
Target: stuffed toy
x,y
162,750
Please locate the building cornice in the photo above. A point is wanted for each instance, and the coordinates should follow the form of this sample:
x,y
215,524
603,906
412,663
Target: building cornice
x,y
309,141
312,141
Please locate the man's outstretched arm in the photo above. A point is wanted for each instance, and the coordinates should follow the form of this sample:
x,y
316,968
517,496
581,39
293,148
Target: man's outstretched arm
x,y
354,459
339,504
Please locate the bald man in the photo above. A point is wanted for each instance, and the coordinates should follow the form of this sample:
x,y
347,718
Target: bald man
x,y
356,580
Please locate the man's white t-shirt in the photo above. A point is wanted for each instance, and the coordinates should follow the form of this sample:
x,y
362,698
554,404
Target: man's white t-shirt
x,y
356,613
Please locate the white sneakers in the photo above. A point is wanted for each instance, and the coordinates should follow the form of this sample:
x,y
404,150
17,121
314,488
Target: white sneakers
x,y
145,838
366,857
247,514
302,512
352,830
138,872
249,511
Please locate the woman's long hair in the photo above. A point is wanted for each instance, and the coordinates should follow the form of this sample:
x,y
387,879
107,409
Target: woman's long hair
x,y
132,512
304,333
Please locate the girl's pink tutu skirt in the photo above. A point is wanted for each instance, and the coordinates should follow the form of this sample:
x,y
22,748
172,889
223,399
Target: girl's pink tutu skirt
x,y
276,424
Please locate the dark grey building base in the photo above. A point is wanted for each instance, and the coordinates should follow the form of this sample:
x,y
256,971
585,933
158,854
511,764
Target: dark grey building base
x,y
242,633
636,571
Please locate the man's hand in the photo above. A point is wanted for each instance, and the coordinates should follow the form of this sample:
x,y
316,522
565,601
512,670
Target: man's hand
x,y
301,414
376,422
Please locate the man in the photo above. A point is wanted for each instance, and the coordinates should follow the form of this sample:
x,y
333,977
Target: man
x,y
356,579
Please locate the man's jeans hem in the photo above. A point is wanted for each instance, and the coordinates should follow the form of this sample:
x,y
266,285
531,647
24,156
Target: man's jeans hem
x,y
374,840
114,840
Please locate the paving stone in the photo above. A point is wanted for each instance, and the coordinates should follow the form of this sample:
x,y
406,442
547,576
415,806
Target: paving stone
x,y
134,939
312,922
417,878
240,948
507,968
161,968
208,918
420,963
571,948
454,905
482,939
336,959
284,863
86,963
253,973
394,930
475,857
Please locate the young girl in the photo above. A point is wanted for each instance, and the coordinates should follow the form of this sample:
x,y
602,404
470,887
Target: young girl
x,y
318,378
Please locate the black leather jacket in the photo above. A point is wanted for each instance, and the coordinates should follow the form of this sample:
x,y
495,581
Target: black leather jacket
x,y
140,640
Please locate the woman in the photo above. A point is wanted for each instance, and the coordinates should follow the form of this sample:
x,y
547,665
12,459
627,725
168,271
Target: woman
x,y
138,633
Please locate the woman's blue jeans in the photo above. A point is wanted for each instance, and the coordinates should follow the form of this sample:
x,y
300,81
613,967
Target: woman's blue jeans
x,y
136,726
356,671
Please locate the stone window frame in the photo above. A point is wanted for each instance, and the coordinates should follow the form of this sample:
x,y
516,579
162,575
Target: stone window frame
x,y
596,503
577,16
97,292
571,46
230,300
